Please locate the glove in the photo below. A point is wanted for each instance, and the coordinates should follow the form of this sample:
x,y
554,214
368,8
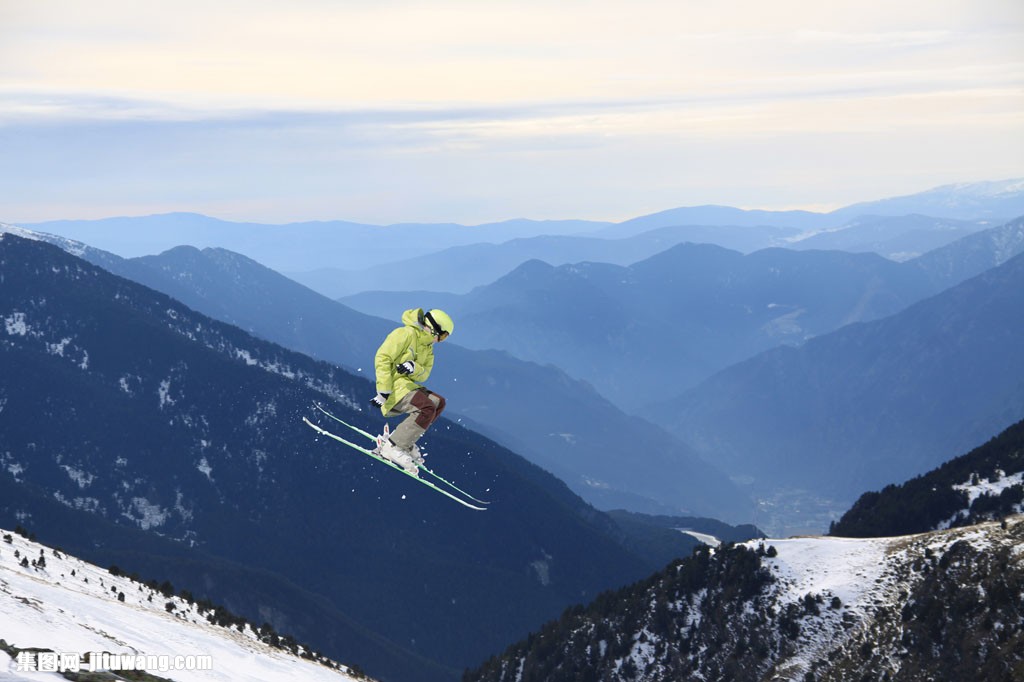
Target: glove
x,y
407,367
379,399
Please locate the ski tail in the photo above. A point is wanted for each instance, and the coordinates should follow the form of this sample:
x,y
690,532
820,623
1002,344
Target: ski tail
x,y
354,428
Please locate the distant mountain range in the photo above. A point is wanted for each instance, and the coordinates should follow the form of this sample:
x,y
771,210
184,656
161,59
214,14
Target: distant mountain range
x,y
333,256
696,309
896,238
645,332
462,268
296,246
994,201
869,403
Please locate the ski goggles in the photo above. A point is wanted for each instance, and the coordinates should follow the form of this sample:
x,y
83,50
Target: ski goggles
x,y
439,333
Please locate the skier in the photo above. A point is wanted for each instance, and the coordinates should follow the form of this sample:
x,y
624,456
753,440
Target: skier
x,y
402,363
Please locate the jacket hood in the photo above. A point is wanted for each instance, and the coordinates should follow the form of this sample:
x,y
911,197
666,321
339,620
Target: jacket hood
x,y
412,317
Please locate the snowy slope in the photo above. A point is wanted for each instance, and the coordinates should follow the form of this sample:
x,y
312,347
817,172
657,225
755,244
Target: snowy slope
x,y
69,245
854,570
68,606
871,578
945,605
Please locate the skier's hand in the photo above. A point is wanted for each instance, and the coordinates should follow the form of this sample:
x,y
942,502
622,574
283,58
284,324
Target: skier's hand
x,y
407,367
379,399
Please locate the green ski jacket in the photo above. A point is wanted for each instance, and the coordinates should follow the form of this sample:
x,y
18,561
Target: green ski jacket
x,y
410,342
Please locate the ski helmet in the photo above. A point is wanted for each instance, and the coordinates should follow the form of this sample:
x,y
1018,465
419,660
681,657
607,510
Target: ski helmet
x,y
439,322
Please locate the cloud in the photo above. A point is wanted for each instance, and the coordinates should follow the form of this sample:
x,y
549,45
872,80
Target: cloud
x,y
332,55
881,39
327,105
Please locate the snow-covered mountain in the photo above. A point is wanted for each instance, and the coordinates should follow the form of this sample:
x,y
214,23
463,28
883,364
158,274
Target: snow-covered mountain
x,y
55,609
998,200
78,249
939,605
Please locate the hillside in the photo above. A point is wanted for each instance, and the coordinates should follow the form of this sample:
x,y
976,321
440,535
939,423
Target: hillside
x,y
942,605
53,602
120,404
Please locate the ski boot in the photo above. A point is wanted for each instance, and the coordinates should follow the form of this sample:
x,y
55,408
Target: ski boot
x,y
396,455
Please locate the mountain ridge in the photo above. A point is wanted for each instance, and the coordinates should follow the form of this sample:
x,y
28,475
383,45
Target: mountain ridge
x,y
305,246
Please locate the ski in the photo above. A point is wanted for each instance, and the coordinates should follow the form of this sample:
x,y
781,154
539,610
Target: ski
x,y
377,457
341,421
373,438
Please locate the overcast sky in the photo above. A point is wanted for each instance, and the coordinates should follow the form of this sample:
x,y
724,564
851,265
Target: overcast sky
x,y
483,110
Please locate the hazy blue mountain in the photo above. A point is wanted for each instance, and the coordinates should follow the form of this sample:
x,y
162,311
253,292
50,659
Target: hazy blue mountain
x,y
119,402
725,216
461,268
643,333
296,246
972,255
898,238
520,404
995,201
871,403
309,246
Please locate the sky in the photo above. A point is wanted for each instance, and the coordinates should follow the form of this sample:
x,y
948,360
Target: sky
x,y
477,111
